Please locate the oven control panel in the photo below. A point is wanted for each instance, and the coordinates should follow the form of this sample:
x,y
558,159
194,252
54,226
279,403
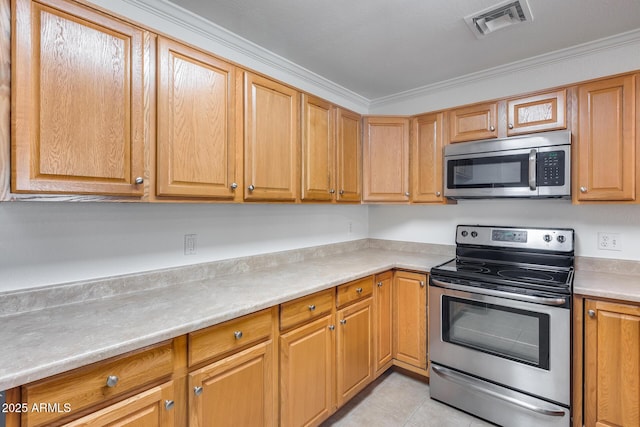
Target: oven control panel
x,y
551,239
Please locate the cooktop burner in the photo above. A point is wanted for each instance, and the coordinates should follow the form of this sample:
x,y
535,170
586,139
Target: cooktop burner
x,y
525,274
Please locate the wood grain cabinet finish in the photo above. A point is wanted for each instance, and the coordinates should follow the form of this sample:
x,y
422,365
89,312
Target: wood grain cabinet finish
x,y
78,100
354,291
303,309
307,373
349,156
611,364
410,319
383,321
607,140
354,349
271,140
386,159
196,145
238,390
541,112
427,143
151,408
473,122
318,150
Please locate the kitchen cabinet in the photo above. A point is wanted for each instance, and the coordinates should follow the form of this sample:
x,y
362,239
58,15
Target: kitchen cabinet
x,y
66,57
318,150
271,140
383,321
478,121
607,140
611,363
349,156
427,143
239,386
536,113
196,140
410,321
386,159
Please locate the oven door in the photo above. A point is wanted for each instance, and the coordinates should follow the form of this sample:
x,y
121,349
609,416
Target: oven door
x,y
522,345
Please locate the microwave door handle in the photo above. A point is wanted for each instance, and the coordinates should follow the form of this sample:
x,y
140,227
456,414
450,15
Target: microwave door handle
x,y
532,169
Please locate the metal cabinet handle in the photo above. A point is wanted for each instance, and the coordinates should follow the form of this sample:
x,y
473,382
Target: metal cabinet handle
x,y
251,187
332,191
492,128
421,283
359,290
510,125
591,313
379,284
583,189
197,390
168,404
343,321
331,327
234,186
139,180
237,334
312,307
112,380
341,192
407,194
438,194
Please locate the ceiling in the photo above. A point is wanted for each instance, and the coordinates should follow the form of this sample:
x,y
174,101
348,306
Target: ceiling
x,y
378,48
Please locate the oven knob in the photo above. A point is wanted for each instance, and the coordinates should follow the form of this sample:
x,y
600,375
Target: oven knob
x,y
464,233
547,237
474,234
561,238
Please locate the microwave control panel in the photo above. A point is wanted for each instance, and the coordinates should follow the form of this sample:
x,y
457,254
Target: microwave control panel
x,y
550,170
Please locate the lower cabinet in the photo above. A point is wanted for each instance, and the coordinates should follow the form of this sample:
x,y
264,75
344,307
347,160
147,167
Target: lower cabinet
x,y
383,321
410,321
611,363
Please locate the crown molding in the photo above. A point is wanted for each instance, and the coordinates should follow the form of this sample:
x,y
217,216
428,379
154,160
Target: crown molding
x,y
241,49
539,61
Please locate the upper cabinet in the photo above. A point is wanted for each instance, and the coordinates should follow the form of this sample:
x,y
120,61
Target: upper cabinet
x,y
271,140
427,141
349,156
547,111
607,140
474,122
386,159
78,101
196,146
196,154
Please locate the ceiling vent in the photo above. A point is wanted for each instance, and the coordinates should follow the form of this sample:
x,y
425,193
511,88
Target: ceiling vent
x,y
499,16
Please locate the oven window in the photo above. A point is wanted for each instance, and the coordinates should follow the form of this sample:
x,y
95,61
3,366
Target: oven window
x,y
483,172
511,333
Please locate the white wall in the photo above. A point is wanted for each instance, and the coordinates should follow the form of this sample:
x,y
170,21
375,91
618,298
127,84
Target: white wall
x,y
49,243
436,224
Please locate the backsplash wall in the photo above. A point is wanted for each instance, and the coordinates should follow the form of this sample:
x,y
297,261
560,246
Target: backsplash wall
x,y
436,224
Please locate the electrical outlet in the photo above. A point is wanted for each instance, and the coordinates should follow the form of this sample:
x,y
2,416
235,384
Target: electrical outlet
x,y
609,241
190,244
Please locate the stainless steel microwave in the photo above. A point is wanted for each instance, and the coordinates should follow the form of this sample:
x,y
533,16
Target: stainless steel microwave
x,y
533,166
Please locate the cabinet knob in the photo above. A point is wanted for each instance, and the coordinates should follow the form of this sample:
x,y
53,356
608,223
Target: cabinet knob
x,y
438,194
492,128
332,191
591,313
406,194
237,334
343,321
583,189
168,404
422,283
312,307
139,180
359,290
379,284
112,380
234,186
197,390
332,327
251,187
341,192
510,125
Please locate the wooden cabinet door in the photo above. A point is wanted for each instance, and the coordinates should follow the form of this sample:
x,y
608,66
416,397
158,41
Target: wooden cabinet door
x,y
196,122
606,140
271,149
612,364
547,111
386,159
307,373
410,318
151,408
354,349
349,156
78,94
473,122
318,150
427,142
383,321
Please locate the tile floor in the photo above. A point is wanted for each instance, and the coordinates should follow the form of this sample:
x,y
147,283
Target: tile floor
x,y
397,400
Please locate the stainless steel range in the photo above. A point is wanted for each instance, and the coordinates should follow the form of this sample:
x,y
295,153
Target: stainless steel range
x,y
499,325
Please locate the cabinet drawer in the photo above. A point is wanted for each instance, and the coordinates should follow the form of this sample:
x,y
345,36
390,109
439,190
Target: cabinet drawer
x,y
219,339
353,291
306,308
90,385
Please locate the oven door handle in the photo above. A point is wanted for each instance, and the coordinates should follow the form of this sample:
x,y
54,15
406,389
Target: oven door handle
x,y
559,301
532,169
477,385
